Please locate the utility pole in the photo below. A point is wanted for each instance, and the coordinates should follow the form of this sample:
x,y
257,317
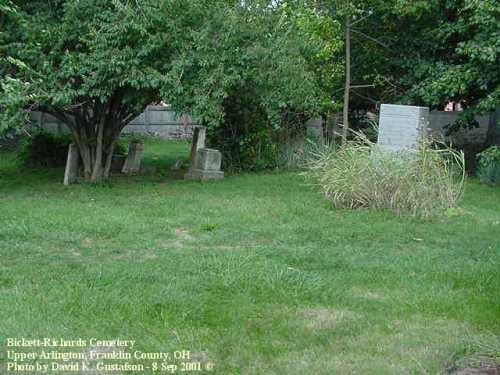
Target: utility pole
x,y
347,88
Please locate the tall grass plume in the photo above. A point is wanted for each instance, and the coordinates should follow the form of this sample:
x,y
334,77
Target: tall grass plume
x,y
361,174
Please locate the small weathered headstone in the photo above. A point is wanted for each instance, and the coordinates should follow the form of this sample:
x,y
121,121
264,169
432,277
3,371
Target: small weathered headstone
x,y
314,129
207,167
402,127
72,165
178,164
208,159
133,162
198,142
117,162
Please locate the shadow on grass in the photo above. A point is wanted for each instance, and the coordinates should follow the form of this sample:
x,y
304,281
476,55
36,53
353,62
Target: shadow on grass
x,y
160,156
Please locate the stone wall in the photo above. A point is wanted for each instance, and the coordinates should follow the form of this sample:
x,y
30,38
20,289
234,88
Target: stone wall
x,y
163,122
439,120
159,121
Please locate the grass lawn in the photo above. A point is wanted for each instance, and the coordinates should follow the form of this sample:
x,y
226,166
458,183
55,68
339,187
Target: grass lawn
x,y
254,273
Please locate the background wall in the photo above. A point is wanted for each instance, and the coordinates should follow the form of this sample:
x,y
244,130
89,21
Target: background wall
x,y
439,120
163,122
159,121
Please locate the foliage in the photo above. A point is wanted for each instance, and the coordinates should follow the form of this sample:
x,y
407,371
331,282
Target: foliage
x,y
239,66
424,52
455,56
241,72
77,61
362,174
299,154
320,29
489,165
43,149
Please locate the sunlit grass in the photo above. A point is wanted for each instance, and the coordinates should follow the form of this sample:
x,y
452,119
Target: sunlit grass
x,y
255,272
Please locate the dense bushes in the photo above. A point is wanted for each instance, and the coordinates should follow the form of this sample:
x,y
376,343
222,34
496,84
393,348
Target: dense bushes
x,y
489,165
248,139
411,183
43,149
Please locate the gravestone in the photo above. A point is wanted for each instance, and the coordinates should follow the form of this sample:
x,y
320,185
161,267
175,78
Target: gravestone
x,y
72,165
133,162
177,165
207,167
117,162
314,129
402,127
198,142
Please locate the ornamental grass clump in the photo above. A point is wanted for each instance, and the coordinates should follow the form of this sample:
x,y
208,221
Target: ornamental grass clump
x,y
489,165
416,183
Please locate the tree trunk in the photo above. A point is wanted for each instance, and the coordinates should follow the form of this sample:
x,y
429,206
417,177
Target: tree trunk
x,y
109,158
87,161
85,154
347,88
98,167
96,143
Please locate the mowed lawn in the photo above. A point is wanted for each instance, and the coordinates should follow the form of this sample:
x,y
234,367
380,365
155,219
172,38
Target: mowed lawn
x,y
255,273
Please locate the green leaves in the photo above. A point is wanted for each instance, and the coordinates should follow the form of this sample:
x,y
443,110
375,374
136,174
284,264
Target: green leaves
x,y
455,56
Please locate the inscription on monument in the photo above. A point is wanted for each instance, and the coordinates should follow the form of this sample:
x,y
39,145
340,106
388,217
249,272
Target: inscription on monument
x,y
401,127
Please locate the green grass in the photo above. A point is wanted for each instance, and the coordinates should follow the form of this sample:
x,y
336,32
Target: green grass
x,y
255,273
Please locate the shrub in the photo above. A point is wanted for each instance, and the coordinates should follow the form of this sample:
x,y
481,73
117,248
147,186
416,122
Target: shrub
x,y
489,165
43,149
300,153
250,138
362,174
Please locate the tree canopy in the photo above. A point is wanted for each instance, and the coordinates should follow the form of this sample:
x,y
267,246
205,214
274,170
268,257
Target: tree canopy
x,y
455,56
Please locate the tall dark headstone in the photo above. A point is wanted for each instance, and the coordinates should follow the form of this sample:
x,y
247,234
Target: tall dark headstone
x,y
133,162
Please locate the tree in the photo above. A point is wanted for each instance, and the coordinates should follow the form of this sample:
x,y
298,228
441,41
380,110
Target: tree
x,y
80,62
362,56
245,73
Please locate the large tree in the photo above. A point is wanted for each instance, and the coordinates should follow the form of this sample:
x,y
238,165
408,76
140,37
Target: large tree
x,y
80,62
245,73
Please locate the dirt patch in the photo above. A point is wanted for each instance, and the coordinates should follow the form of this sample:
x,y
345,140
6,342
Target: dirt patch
x,y
170,244
150,255
87,242
368,294
324,318
476,365
183,234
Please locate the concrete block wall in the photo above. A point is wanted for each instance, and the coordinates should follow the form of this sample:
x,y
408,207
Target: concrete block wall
x,y
439,120
159,121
